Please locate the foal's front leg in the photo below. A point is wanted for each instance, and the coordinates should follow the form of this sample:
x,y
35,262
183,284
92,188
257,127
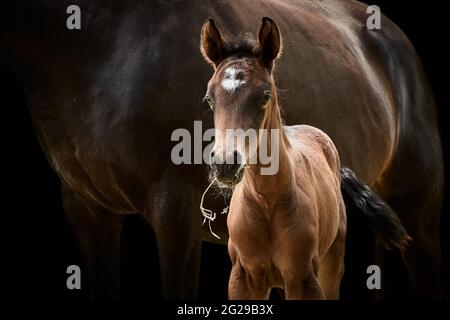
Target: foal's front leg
x,y
308,289
243,286
304,284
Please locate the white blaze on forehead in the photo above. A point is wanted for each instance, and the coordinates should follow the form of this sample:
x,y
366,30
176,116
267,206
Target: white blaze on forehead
x,y
232,79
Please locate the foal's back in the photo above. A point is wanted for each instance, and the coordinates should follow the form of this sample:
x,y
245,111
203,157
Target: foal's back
x,y
315,143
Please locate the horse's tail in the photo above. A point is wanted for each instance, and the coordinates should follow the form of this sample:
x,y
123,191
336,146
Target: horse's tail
x,y
360,200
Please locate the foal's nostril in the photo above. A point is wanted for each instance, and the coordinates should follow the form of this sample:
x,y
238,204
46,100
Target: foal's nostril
x,y
233,163
237,158
226,168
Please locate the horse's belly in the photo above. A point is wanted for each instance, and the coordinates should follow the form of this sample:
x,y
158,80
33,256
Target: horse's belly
x,y
102,178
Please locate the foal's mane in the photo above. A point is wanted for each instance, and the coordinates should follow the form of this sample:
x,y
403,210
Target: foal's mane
x,y
242,45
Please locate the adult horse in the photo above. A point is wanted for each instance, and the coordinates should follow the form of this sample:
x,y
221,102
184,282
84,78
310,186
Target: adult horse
x,y
105,99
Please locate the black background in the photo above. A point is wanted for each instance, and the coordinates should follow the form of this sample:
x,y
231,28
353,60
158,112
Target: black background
x,y
37,244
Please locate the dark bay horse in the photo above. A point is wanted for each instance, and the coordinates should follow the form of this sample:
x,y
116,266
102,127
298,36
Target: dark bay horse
x,y
105,99
287,227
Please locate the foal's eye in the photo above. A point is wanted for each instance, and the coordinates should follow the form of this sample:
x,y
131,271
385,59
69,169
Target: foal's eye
x,y
208,100
266,98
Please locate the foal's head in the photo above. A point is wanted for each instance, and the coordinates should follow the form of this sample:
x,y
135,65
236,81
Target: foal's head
x,y
241,93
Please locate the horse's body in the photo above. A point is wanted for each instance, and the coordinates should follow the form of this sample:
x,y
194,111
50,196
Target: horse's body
x,y
105,99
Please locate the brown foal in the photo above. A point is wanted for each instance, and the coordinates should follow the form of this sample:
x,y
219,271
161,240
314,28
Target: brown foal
x,y
287,230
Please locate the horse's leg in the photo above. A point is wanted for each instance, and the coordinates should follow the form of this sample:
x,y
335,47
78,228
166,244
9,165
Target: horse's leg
x,y
176,221
301,280
98,232
423,256
237,285
414,189
243,286
332,267
305,289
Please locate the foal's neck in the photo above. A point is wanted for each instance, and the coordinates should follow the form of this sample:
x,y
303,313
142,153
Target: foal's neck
x,y
277,187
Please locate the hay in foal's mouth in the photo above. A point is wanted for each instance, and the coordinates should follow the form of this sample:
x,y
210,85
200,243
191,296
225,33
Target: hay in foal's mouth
x,y
209,215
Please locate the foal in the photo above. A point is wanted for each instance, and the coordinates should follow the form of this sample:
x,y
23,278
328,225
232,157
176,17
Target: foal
x,y
287,230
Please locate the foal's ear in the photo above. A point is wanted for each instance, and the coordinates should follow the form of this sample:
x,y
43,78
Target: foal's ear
x,y
270,42
211,43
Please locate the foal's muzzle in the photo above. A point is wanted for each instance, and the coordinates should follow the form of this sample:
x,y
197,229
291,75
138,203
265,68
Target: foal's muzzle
x,y
229,172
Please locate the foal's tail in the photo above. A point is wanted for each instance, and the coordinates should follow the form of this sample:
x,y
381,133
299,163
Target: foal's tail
x,y
361,200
